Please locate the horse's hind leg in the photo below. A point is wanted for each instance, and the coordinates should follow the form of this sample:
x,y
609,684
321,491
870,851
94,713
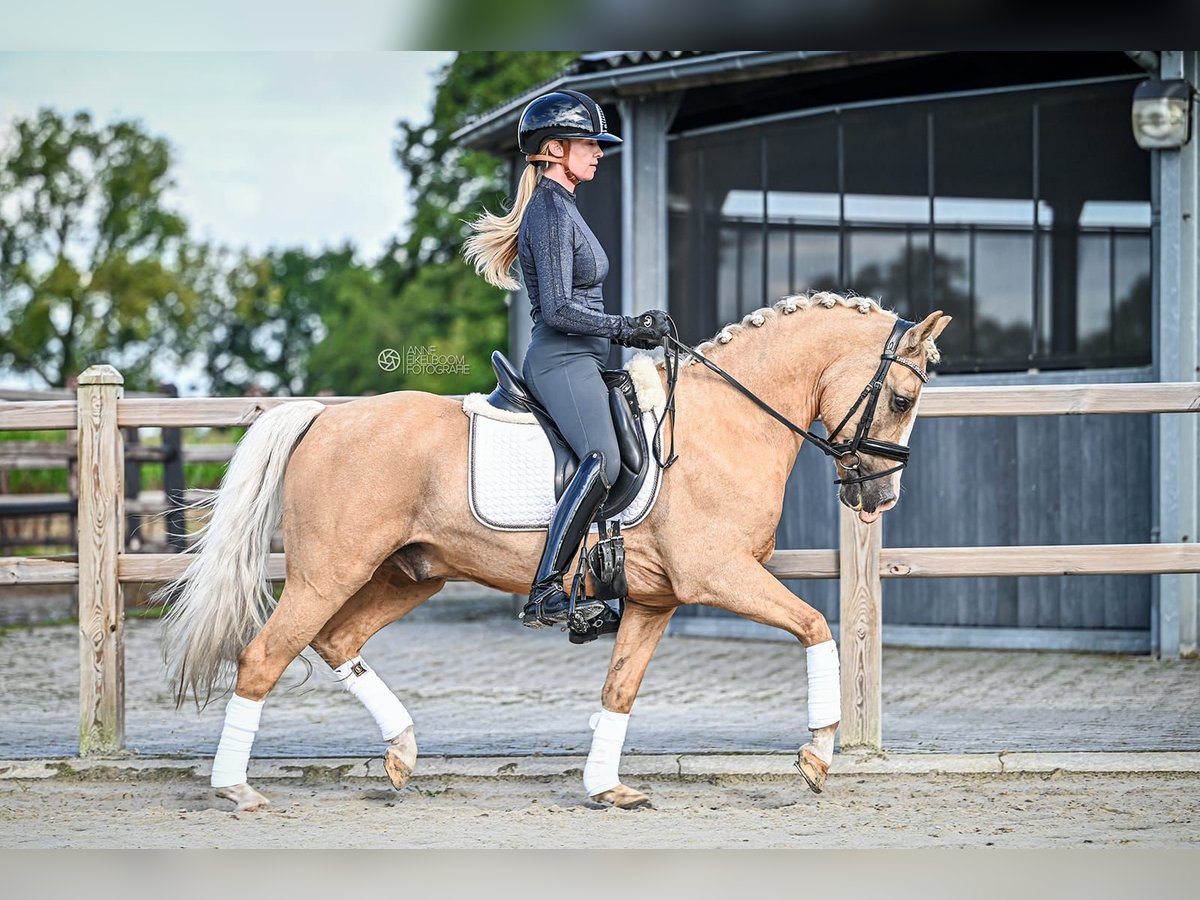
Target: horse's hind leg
x,y
641,629
301,613
388,596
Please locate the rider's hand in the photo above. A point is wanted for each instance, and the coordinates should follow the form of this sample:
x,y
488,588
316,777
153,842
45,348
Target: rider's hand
x,y
645,331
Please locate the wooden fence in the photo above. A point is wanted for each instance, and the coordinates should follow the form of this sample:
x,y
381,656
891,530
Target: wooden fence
x,y
860,563
33,454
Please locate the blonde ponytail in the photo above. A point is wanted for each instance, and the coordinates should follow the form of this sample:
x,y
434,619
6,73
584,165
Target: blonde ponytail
x,y
492,249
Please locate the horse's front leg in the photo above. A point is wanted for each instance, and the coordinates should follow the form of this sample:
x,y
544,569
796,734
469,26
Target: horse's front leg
x,y
641,629
746,588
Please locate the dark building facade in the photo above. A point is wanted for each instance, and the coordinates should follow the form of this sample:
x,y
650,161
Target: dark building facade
x,y
1005,189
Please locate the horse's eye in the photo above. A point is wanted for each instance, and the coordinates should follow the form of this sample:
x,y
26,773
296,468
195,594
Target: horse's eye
x,y
900,404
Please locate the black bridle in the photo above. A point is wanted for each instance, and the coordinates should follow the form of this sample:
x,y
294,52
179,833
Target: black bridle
x,y
846,453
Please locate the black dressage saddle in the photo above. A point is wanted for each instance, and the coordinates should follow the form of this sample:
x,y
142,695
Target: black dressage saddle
x,y
513,395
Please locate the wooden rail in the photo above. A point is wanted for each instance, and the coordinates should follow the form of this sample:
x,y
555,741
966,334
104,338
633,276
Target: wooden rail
x,y
48,455
861,564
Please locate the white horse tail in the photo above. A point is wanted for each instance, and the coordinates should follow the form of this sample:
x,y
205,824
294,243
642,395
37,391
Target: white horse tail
x,y
224,597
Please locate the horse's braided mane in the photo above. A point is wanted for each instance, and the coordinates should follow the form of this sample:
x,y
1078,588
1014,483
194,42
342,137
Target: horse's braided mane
x,y
789,305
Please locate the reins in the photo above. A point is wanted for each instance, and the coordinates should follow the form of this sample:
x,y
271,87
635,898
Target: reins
x,y
844,452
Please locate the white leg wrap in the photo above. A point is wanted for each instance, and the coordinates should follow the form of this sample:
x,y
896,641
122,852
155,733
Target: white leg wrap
x,y
384,706
824,685
608,737
237,737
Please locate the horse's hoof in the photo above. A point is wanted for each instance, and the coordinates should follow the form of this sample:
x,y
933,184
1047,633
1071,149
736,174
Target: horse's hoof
x,y
246,798
813,768
400,758
623,797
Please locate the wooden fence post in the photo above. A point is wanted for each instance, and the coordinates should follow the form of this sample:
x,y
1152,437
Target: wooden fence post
x,y
101,526
861,644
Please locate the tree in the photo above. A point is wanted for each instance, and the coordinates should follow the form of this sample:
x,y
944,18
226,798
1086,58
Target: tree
x,y
93,265
448,182
274,313
438,300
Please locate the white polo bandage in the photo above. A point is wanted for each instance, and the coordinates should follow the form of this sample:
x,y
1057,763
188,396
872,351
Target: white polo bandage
x,y
824,685
384,706
237,737
608,737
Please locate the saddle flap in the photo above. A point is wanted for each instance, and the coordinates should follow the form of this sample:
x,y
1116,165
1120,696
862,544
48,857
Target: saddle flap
x,y
630,438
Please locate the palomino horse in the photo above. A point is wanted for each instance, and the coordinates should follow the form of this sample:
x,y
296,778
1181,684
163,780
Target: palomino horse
x,y
375,517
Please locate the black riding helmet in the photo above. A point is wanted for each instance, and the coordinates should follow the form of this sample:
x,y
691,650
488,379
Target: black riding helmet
x,y
564,115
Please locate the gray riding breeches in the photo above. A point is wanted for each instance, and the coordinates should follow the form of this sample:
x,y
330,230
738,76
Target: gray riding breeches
x,y
563,372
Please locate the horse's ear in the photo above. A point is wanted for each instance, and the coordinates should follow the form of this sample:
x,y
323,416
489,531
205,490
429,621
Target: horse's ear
x,y
928,328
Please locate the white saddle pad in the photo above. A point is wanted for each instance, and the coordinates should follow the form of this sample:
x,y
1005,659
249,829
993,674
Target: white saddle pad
x,y
511,464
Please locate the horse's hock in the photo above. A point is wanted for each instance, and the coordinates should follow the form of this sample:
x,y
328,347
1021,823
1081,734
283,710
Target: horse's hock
x,y
100,411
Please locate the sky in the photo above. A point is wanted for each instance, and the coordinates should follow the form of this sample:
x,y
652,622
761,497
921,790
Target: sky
x,y
215,24
271,148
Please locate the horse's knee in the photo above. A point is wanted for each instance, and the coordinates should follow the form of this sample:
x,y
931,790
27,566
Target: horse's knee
x,y
618,698
813,628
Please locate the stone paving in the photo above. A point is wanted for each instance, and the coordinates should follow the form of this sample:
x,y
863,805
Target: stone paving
x,y
490,687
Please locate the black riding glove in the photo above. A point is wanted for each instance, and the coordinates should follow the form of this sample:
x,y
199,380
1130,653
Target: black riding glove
x,y
644,331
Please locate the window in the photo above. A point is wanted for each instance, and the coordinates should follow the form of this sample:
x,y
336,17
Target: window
x,y
1023,214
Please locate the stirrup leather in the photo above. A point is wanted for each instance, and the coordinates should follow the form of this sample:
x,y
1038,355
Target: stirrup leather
x,y
607,563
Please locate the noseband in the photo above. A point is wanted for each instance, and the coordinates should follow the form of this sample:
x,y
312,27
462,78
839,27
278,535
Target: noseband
x,y
845,453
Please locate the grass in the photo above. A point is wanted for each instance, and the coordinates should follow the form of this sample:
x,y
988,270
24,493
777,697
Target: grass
x,y
53,480
42,551
149,613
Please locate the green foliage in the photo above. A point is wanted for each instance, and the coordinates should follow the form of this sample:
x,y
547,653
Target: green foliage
x,y
277,321
93,266
439,301
485,23
450,182
54,480
296,323
33,481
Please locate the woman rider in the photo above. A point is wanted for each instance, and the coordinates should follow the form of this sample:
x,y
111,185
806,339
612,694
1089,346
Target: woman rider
x,y
564,266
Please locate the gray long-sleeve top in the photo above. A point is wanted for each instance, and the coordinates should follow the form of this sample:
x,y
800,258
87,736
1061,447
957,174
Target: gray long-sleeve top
x,y
564,265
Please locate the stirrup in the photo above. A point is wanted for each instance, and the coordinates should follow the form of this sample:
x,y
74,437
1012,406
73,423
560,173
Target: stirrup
x,y
578,611
604,620
583,613
608,622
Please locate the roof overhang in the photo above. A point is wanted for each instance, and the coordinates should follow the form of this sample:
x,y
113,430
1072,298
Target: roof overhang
x,y
495,129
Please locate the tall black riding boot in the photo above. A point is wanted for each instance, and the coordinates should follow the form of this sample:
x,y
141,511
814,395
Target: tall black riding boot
x,y
548,603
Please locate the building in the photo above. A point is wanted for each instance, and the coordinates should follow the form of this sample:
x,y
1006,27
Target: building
x,y
1004,188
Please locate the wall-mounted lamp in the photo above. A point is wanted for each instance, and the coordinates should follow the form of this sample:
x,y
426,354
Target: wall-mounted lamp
x,y
1161,114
